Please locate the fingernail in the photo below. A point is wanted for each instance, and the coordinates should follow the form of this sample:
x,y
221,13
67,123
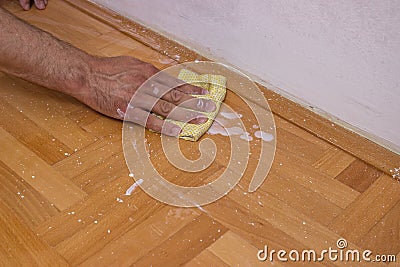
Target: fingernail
x,y
210,106
26,6
174,131
41,5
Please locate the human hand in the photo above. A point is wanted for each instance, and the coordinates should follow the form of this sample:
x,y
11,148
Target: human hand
x,y
26,4
112,82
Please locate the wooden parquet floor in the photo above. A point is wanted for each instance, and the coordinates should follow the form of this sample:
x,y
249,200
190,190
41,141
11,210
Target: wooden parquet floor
x,y
63,177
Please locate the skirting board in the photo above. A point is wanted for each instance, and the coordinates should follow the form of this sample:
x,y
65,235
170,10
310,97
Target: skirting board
x,y
336,132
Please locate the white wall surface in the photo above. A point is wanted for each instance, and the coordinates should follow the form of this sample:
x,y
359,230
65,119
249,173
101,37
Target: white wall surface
x,y
341,56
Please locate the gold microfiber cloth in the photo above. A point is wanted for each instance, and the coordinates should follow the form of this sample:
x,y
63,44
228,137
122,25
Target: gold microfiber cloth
x,y
216,86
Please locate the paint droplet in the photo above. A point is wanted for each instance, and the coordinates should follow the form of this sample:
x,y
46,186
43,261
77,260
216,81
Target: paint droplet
x,y
218,129
133,187
264,136
231,115
120,113
246,136
166,61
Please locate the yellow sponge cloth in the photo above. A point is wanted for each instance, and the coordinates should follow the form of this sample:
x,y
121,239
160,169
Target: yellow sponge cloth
x,y
216,86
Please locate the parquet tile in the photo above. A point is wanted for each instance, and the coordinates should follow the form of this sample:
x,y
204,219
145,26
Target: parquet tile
x,y
359,176
19,246
29,205
368,209
384,237
36,172
206,258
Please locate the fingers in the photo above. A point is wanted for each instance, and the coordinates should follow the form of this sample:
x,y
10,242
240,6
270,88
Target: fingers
x,y
40,4
25,4
173,112
172,82
179,98
166,109
183,100
142,117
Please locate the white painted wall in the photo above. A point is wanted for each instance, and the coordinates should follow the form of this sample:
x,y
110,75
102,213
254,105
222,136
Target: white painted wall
x,y
340,56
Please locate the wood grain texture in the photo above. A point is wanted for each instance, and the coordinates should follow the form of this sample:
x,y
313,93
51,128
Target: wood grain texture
x,y
37,173
368,209
19,246
304,117
359,176
63,174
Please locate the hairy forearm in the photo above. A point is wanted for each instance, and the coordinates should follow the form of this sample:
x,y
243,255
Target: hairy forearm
x,y
37,56
105,84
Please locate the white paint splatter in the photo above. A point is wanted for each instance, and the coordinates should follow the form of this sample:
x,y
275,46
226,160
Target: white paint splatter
x,y
200,208
218,129
235,131
231,115
246,136
134,145
166,61
396,173
120,113
133,187
264,136
156,91
200,103
119,200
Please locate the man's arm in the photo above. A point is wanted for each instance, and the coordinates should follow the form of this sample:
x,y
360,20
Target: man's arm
x,y
36,56
105,84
